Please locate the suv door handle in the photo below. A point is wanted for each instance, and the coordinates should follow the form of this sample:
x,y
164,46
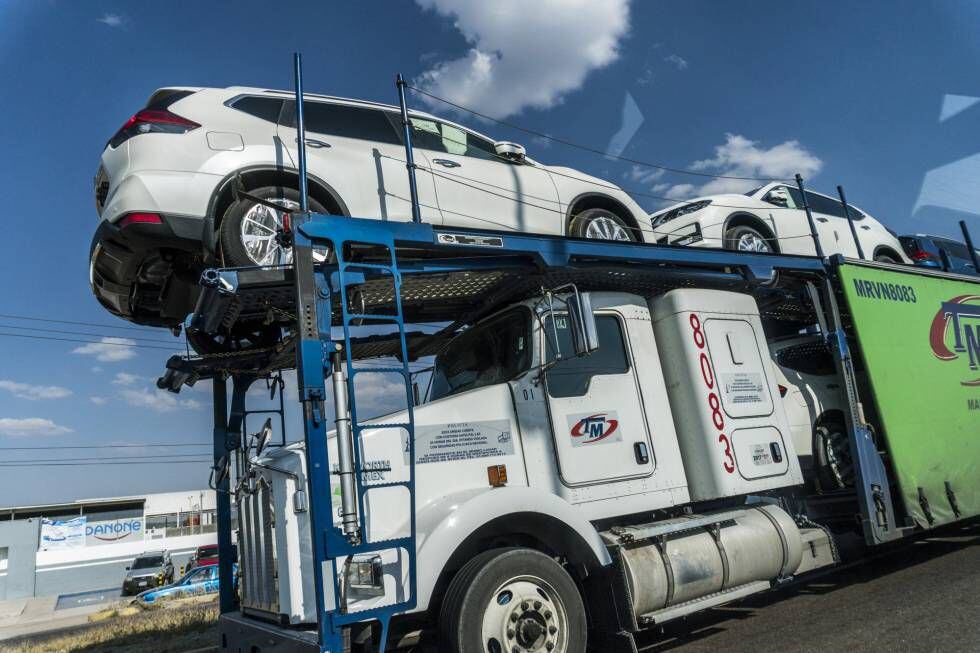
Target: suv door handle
x,y
312,142
821,219
865,227
446,163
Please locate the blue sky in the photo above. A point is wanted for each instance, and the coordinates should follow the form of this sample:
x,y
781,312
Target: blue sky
x,y
850,94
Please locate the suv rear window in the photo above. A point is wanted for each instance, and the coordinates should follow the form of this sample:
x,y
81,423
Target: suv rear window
x,y
266,108
343,120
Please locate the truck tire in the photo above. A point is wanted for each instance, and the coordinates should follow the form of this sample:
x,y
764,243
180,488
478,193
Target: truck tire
x,y
512,599
600,224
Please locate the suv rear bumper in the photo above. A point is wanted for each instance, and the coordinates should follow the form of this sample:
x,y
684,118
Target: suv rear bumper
x,y
116,266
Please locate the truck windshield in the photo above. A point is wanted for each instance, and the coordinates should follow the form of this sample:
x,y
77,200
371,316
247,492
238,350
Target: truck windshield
x,y
148,563
489,353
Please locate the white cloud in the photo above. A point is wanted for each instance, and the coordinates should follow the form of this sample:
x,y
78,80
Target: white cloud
x,y
160,401
678,61
96,369
109,349
98,401
112,20
34,392
30,426
125,378
741,157
644,175
524,54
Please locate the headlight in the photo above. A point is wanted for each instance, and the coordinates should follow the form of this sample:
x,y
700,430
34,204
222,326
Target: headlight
x,y
678,212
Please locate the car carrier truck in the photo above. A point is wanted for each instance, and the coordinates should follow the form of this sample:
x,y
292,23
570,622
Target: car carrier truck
x,y
604,444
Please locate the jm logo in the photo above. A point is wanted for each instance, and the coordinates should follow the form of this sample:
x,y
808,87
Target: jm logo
x,y
958,320
594,428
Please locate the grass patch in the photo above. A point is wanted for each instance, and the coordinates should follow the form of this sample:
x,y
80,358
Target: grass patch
x,y
174,629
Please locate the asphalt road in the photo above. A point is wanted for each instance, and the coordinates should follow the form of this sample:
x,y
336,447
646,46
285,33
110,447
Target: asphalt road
x,y
920,596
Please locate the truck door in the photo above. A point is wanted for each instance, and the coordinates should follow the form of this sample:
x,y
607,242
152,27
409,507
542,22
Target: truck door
x,y
597,416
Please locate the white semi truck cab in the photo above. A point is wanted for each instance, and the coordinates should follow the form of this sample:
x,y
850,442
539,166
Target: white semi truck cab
x,y
581,459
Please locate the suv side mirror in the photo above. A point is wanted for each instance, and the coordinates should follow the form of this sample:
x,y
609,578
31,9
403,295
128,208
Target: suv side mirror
x,y
263,436
581,321
511,151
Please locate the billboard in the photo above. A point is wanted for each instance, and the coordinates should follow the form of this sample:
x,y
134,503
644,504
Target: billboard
x,y
62,534
113,531
920,339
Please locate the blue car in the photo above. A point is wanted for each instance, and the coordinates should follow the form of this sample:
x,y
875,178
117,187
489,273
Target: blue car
x,y
199,580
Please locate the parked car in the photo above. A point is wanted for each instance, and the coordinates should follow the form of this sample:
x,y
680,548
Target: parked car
x,y
200,580
771,218
150,569
165,187
924,250
814,404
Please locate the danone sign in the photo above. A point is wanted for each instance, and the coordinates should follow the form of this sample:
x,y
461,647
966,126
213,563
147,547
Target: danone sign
x,y
113,531
920,338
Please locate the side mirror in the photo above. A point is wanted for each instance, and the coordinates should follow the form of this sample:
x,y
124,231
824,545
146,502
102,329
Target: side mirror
x,y
220,472
415,393
511,151
263,436
581,321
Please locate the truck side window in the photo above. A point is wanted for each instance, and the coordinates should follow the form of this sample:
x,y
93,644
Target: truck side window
x,y
570,377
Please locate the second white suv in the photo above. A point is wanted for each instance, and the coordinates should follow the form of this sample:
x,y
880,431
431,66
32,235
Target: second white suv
x,y
165,187
771,218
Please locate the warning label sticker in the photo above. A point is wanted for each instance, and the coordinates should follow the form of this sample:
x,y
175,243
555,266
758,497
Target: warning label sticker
x,y
743,388
761,455
462,441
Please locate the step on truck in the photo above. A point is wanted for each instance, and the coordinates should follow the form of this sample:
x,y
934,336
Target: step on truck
x,y
602,444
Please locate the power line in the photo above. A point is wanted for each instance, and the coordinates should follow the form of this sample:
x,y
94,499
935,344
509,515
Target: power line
x,y
81,333
130,458
586,148
109,446
91,324
88,342
147,462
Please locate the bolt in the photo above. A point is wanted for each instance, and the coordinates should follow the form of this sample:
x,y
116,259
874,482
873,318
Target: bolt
x,y
549,645
510,633
552,630
515,649
513,616
537,605
547,614
524,606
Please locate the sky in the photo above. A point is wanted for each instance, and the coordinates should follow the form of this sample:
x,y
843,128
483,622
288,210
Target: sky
x,y
879,97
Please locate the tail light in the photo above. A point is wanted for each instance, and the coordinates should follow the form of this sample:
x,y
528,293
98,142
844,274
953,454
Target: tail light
x,y
139,218
782,390
920,255
152,121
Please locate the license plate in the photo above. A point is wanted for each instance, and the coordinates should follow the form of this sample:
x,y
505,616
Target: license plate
x,y
142,583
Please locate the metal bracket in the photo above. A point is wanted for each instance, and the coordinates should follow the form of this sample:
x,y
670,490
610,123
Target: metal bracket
x,y
924,504
951,497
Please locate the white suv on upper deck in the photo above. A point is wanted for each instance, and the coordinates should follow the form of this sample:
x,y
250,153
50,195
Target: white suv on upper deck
x,y
165,187
771,218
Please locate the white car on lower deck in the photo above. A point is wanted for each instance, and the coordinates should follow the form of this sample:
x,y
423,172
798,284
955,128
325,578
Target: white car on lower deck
x,y
165,187
771,218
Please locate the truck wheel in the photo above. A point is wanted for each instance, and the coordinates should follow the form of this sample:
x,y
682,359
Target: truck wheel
x,y
512,599
248,229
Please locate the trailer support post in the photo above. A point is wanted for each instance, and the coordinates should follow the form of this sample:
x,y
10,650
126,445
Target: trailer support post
x,y
348,494
850,222
809,217
300,131
409,156
969,245
226,599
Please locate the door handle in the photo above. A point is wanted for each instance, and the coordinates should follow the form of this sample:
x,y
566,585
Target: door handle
x,y
865,227
821,219
312,142
446,163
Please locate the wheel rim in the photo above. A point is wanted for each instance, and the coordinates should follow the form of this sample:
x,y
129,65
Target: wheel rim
x,y
525,614
752,243
258,233
603,228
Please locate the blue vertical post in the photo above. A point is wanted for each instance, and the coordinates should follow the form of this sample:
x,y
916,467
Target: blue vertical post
x,y
226,599
409,156
850,222
300,131
809,217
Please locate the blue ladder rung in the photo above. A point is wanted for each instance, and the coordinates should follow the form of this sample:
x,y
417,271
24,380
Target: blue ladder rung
x,y
377,486
387,425
383,545
368,316
387,267
378,370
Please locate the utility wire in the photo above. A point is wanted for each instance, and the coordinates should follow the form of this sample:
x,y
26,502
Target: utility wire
x,y
110,446
586,148
131,458
88,342
82,333
147,462
91,324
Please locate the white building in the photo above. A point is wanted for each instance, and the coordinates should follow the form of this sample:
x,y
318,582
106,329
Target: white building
x,y
87,544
